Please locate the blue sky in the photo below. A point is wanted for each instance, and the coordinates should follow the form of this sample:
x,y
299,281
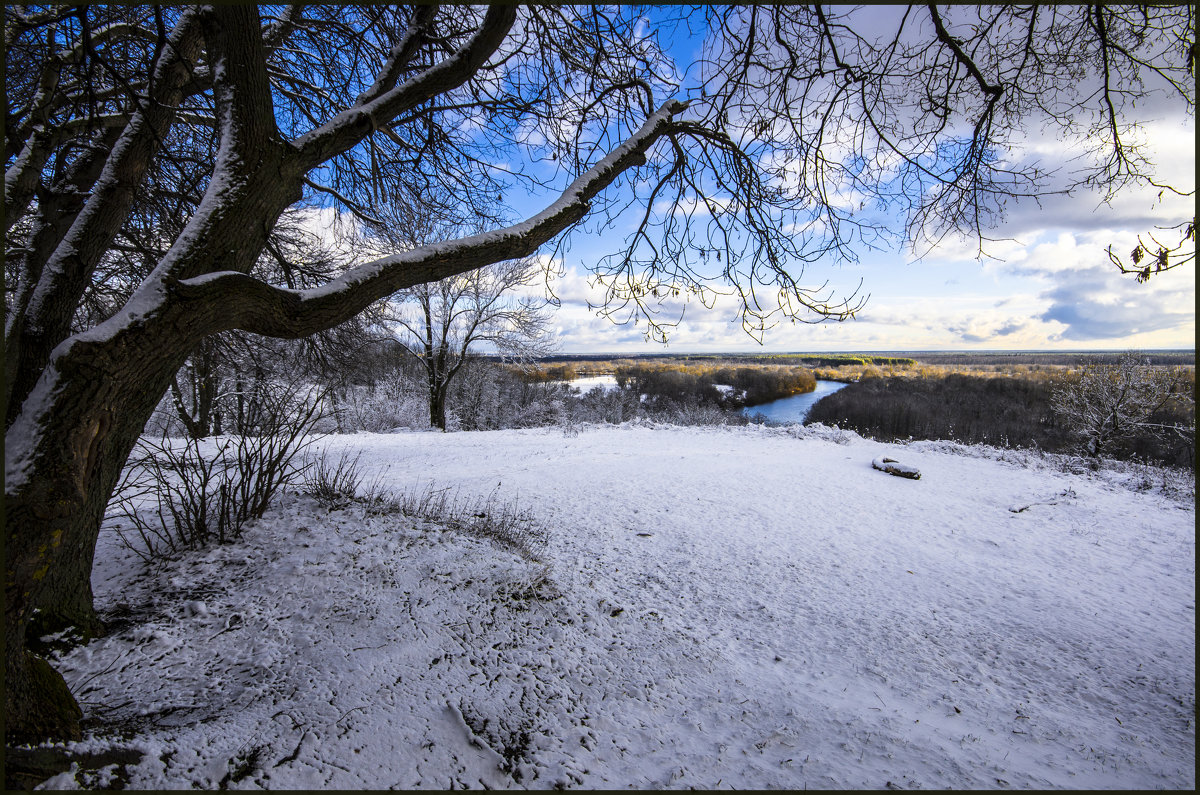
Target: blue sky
x,y
1048,283
1051,288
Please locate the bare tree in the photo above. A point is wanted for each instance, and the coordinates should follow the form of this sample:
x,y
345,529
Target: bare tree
x,y
446,322
804,137
443,323
1110,403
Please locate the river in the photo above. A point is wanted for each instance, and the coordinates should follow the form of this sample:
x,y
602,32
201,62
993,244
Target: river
x,y
793,409
778,412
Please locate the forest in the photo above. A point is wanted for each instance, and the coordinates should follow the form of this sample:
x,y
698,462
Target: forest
x,y
1004,400
1011,410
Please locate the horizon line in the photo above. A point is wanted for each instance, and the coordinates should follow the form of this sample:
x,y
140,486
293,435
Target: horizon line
x,y
867,350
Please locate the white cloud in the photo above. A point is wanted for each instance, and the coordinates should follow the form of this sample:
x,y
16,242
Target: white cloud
x,y
1098,304
1060,292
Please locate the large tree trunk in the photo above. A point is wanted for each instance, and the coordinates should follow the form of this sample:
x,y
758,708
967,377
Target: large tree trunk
x,y
68,444
64,456
92,404
437,406
65,451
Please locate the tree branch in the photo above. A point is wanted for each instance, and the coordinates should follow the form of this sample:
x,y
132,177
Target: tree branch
x,y
246,303
959,55
65,276
277,32
401,54
352,125
245,113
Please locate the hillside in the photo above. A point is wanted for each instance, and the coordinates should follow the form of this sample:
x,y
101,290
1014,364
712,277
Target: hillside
x,y
746,607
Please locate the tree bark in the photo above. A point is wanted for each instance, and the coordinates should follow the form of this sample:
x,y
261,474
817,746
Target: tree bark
x,y
64,455
437,407
55,498
46,320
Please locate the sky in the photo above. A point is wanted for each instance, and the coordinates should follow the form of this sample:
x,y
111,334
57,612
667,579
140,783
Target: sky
x,y
1046,281
1047,284
1051,287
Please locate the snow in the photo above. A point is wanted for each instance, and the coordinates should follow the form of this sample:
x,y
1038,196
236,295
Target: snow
x,y
746,607
894,467
587,383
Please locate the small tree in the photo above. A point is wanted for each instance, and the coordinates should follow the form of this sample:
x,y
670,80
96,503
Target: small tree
x,y
445,321
1110,403
442,323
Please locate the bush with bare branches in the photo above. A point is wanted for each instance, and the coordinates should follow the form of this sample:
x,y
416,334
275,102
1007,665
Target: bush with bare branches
x,y
179,494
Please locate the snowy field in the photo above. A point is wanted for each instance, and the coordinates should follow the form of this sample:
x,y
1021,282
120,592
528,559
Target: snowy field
x,y
715,608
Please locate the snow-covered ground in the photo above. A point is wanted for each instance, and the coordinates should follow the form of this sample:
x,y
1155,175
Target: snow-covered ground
x,y
716,608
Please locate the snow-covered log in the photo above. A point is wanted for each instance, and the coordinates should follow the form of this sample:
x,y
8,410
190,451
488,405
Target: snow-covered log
x,y
894,467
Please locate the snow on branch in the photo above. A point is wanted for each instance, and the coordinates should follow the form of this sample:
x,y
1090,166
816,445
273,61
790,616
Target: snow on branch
x,y
401,54
277,32
104,35
255,306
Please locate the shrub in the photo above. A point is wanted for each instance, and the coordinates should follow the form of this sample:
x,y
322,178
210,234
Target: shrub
x,y
378,408
502,522
335,484
338,483
198,496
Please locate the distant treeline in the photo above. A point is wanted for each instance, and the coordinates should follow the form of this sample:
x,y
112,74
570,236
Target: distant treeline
x,y
565,368
1064,358
1005,412
843,360
552,372
807,359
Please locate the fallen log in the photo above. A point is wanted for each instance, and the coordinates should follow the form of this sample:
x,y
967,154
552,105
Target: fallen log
x,y
894,467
